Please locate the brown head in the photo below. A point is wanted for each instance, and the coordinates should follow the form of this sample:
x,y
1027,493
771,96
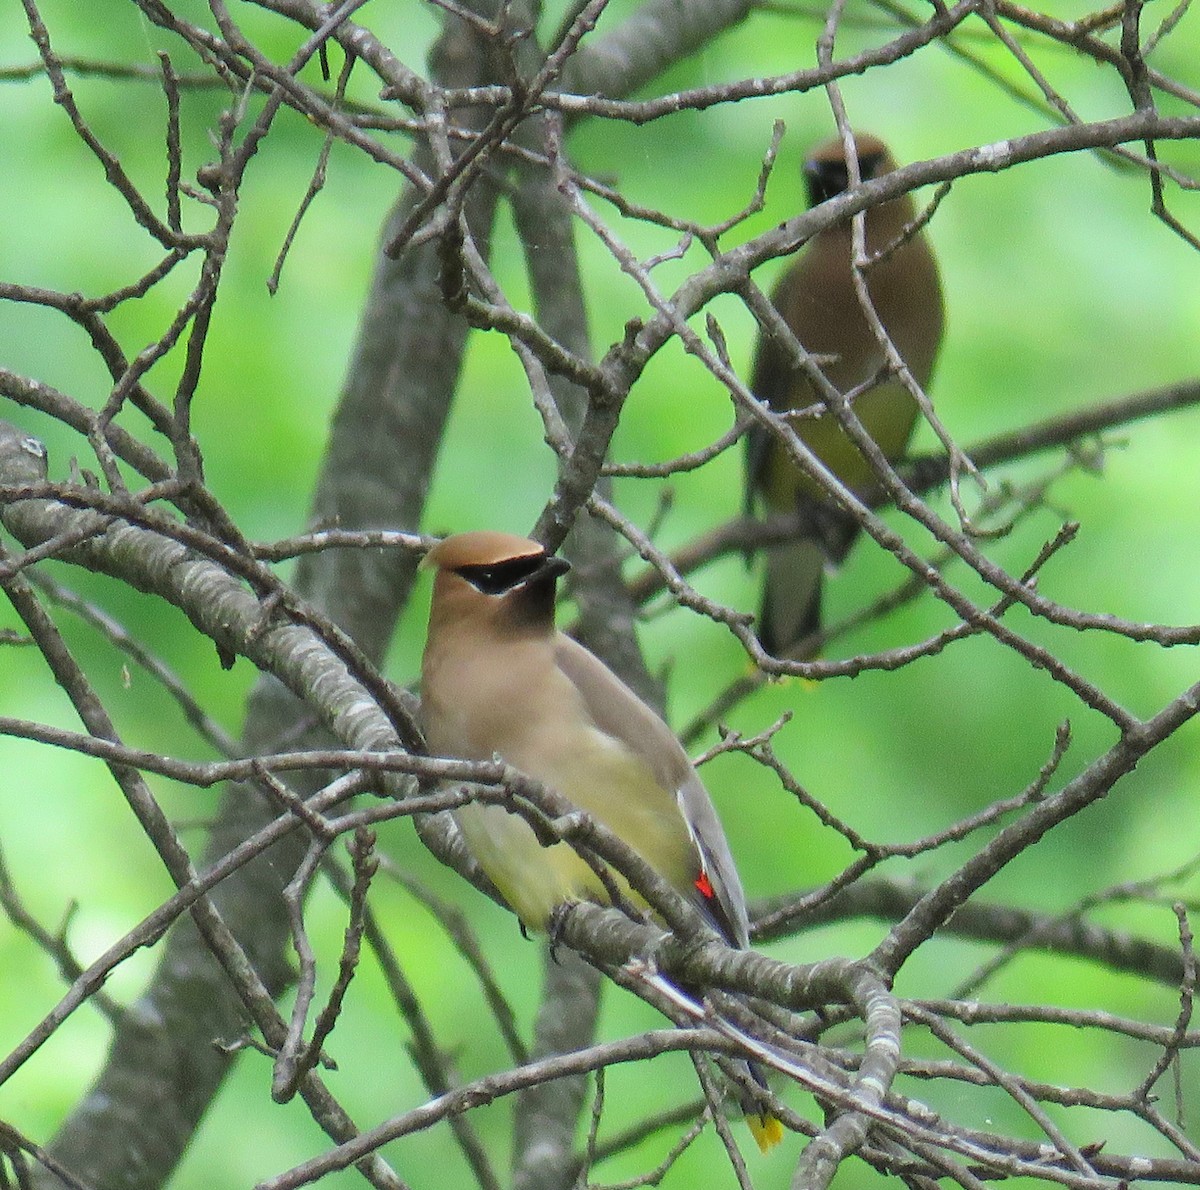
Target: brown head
x,y
825,171
495,580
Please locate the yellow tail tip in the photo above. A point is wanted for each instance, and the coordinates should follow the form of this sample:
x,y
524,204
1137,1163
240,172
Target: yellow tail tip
x,y
766,1130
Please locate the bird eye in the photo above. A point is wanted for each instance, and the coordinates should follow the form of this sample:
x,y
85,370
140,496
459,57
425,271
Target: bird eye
x,y
826,180
868,165
485,578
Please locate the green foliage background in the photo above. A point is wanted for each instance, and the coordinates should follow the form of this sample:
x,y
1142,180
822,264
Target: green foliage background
x,y
1062,291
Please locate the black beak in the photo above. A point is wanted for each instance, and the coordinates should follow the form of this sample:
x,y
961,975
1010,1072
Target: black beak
x,y
551,568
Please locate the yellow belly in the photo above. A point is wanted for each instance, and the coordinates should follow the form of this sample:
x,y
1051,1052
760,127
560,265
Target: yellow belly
x,y
600,776
888,413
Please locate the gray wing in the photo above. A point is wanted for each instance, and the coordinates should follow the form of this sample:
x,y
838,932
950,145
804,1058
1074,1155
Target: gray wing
x,y
729,910
771,378
620,713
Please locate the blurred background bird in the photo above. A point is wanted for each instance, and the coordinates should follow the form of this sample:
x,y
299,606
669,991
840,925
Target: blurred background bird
x,y
817,299
497,678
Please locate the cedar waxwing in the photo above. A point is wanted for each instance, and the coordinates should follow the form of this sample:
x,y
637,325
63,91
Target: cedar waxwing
x,y
497,678
817,299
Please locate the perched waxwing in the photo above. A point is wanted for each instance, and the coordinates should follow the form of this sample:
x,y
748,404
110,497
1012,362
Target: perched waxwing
x,y
497,678
817,299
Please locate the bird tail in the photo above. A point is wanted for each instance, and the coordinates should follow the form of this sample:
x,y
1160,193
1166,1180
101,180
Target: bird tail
x,y
766,1129
791,606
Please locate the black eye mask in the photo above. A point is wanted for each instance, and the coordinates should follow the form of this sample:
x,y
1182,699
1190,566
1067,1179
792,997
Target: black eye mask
x,y
827,179
495,578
